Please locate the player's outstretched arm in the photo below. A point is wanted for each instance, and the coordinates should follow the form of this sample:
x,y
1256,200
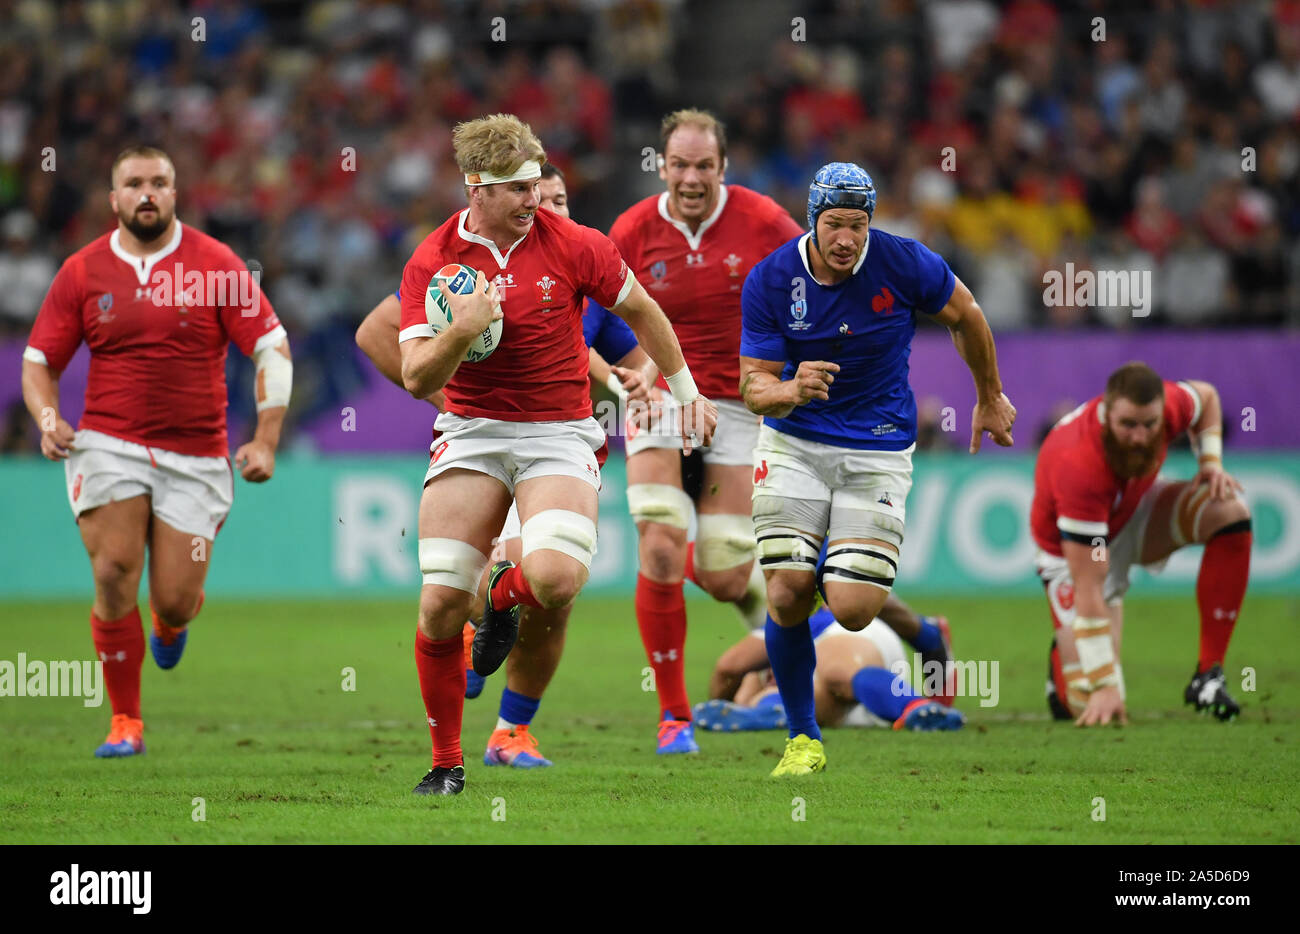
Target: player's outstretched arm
x,y
655,335
1098,675
256,459
765,393
41,395
429,362
994,412
1207,437
377,338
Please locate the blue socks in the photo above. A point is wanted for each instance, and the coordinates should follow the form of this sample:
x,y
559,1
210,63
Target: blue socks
x,y
518,709
790,651
882,692
929,639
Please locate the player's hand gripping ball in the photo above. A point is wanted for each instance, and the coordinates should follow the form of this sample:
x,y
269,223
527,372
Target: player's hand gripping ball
x,y
460,280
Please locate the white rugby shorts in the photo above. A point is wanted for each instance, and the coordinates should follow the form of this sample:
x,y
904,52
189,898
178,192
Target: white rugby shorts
x,y
516,451
191,494
836,477
733,441
1122,554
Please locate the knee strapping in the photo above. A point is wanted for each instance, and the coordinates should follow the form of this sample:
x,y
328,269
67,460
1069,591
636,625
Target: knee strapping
x,y
724,542
570,533
787,549
659,502
449,562
861,563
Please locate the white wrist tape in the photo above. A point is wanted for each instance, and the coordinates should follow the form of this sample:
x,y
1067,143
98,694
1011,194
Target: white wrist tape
x,y
1210,444
682,385
1096,651
615,385
274,378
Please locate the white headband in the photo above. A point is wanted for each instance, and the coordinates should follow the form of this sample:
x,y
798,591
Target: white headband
x,y
528,171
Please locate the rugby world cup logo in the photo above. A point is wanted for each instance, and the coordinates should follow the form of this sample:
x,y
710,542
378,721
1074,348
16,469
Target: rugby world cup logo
x,y
799,311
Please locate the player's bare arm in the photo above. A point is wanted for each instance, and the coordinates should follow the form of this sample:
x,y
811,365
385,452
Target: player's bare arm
x,y
1098,658
765,393
41,395
655,335
994,412
1207,437
256,459
377,338
429,362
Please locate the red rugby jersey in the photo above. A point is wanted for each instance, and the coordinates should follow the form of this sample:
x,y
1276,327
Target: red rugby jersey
x,y
1075,491
158,328
538,373
696,277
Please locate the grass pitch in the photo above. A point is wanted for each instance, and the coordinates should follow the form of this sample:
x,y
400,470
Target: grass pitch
x,y
255,722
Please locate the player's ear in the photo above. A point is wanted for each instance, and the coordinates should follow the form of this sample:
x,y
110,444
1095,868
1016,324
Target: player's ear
x,y
659,161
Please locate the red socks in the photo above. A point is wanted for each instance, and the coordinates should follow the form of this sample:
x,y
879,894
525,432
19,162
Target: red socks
x,y
1220,588
690,565
119,644
441,664
661,617
511,588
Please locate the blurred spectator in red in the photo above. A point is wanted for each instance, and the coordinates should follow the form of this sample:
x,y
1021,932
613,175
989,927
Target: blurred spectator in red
x,y
1152,225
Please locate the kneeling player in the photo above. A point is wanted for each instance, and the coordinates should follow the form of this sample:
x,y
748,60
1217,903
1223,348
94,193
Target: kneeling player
x,y
1099,508
860,680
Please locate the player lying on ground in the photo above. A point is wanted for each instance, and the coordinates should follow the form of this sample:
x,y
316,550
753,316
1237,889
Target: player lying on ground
x,y
157,302
1099,508
536,655
861,679
693,245
827,329
750,655
518,424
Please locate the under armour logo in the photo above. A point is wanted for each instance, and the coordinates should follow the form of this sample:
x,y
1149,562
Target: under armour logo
x,y
119,656
660,657
1220,613
432,722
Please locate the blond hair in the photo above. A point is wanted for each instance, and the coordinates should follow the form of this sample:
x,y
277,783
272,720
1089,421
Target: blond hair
x,y
499,144
692,116
146,152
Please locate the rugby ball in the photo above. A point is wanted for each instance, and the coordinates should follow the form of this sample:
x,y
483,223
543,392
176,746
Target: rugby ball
x,y
458,279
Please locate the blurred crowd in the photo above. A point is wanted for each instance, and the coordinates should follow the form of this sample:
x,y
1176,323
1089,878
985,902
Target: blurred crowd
x,y
1013,137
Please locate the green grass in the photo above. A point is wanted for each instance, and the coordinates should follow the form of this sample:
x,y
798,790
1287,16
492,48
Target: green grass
x,y
255,722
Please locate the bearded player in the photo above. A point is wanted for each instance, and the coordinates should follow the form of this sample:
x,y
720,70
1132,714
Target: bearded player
x,y
157,302
828,324
1099,508
518,424
533,661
